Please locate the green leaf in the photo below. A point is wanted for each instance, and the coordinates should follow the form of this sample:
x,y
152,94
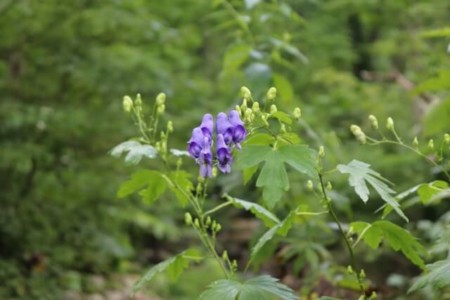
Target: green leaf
x,y
438,276
282,117
235,56
135,150
360,175
259,288
174,266
280,229
177,152
284,88
301,158
397,238
428,191
273,178
181,185
151,183
260,212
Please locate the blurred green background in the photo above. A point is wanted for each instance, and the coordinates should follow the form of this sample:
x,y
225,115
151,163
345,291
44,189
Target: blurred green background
x,y
65,65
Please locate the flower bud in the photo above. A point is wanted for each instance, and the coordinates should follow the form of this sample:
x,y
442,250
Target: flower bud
x,y
214,172
208,221
218,227
127,104
350,270
264,120
415,142
161,108
225,255
358,133
188,218
283,128
196,223
138,101
329,186
160,99
431,144
170,126
390,124
374,121
245,92
271,93
244,105
255,107
158,146
248,115
309,185
321,151
273,109
297,113
447,138
238,109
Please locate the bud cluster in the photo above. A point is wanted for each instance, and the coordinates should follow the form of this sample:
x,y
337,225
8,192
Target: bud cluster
x,y
358,133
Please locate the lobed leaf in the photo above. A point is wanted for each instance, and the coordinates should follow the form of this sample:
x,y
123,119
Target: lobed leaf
x,y
174,266
136,151
361,174
259,288
438,276
260,212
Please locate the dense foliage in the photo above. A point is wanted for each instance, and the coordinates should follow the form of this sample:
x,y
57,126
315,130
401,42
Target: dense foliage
x,y
64,67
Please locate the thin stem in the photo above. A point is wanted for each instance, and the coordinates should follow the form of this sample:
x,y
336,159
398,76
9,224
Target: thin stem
x,y
225,204
341,230
374,142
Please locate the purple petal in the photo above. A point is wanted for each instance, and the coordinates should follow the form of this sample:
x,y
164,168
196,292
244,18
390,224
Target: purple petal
x,y
196,142
239,134
224,127
207,125
205,170
226,168
234,118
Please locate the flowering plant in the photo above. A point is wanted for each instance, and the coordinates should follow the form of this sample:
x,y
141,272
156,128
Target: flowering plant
x,y
262,141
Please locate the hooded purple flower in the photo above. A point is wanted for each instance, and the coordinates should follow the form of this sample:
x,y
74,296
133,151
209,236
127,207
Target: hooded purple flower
x,y
224,128
207,125
239,132
224,157
196,142
205,158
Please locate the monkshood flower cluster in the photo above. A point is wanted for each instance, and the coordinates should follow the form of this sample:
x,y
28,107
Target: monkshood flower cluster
x,y
230,132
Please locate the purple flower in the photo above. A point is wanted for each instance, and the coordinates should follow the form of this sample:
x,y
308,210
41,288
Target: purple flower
x,y
224,157
239,131
196,142
224,128
205,158
207,125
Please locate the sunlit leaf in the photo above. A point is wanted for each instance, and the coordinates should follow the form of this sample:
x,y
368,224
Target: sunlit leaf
x,y
428,191
235,56
177,152
180,184
258,288
284,88
361,174
136,151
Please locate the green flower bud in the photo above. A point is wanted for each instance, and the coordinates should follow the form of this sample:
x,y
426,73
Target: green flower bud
x,y
373,121
244,105
225,255
390,124
309,185
208,221
218,228
321,151
297,113
158,146
169,126
264,120
358,133
415,142
160,99
255,107
329,186
245,92
138,101
431,144
188,218
238,109
127,104
447,138
160,109
362,274
271,93
283,128
273,109
248,115
214,172
350,270
197,223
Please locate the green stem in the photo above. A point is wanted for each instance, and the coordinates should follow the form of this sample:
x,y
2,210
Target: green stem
x,y
374,142
217,208
342,232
